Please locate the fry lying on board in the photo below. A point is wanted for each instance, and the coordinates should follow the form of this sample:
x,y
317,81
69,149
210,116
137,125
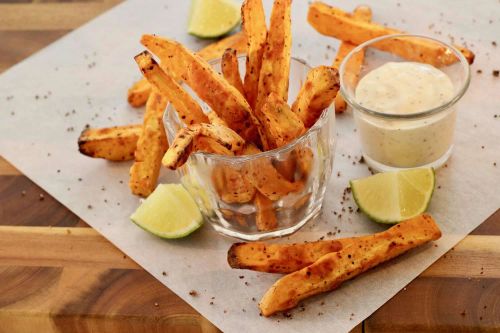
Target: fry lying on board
x,y
139,92
182,146
332,269
112,143
336,23
362,13
316,94
151,147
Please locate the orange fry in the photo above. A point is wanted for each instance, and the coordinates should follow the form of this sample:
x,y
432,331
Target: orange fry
x,y
230,69
362,13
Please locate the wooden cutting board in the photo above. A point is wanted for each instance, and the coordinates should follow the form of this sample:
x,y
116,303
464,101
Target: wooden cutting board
x,y
59,275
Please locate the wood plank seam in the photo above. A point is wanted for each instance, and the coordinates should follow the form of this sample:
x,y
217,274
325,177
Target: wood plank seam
x,y
473,257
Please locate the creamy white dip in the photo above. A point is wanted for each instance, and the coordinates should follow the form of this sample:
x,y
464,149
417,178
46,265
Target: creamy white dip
x,y
405,88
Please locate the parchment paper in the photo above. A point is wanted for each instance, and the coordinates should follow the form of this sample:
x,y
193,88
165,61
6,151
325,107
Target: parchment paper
x,y
82,79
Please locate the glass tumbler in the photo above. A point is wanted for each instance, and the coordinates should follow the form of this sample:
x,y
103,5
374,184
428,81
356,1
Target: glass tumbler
x,y
394,141
293,177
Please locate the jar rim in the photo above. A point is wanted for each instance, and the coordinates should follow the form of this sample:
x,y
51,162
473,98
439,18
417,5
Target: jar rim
x,y
457,96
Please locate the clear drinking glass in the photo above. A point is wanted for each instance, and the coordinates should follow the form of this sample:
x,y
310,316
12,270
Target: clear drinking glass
x,y
399,141
304,165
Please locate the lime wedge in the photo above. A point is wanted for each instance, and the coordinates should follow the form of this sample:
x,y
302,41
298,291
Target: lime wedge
x,y
168,212
213,18
394,196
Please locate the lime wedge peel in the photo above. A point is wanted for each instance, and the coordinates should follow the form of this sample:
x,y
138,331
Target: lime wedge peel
x,y
213,18
394,196
168,212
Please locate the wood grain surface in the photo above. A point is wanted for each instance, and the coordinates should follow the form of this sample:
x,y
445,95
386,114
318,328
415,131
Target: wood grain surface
x,y
59,275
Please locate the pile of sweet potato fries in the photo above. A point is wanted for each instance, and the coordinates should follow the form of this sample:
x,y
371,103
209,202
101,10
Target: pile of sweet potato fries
x,y
250,114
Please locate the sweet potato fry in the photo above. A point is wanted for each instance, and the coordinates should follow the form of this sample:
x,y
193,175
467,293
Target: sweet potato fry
x,y
268,181
215,50
263,175
332,269
231,186
265,217
209,145
287,167
214,119
336,23
223,98
113,143
362,13
275,70
288,258
280,124
230,69
138,94
151,146
182,146
254,26
316,94
305,159
189,111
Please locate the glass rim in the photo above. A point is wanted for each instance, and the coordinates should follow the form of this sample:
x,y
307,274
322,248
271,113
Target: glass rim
x,y
318,125
456,97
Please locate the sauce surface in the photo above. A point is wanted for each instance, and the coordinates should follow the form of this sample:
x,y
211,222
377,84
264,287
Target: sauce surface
x,y
404,88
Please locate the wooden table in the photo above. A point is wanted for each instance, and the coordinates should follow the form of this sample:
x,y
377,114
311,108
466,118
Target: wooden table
x,y
59,275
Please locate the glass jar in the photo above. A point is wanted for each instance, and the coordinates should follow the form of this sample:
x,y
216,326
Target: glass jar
x,y
393,141
294,176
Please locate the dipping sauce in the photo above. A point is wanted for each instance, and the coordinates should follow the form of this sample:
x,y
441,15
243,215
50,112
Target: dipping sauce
x,y
405,88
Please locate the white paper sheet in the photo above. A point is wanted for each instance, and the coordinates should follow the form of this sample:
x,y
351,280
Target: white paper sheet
x,y
89,71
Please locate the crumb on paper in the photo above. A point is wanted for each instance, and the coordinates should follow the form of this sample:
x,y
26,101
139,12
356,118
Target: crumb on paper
x,y
193,293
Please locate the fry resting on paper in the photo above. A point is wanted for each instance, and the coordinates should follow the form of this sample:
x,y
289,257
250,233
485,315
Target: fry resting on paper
x,y
362,13
336,23
332,269
138,94
151,146
114,143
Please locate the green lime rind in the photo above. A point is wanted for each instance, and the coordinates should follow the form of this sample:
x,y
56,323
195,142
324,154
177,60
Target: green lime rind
x,y
379,217
169,212
213,18
168,235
